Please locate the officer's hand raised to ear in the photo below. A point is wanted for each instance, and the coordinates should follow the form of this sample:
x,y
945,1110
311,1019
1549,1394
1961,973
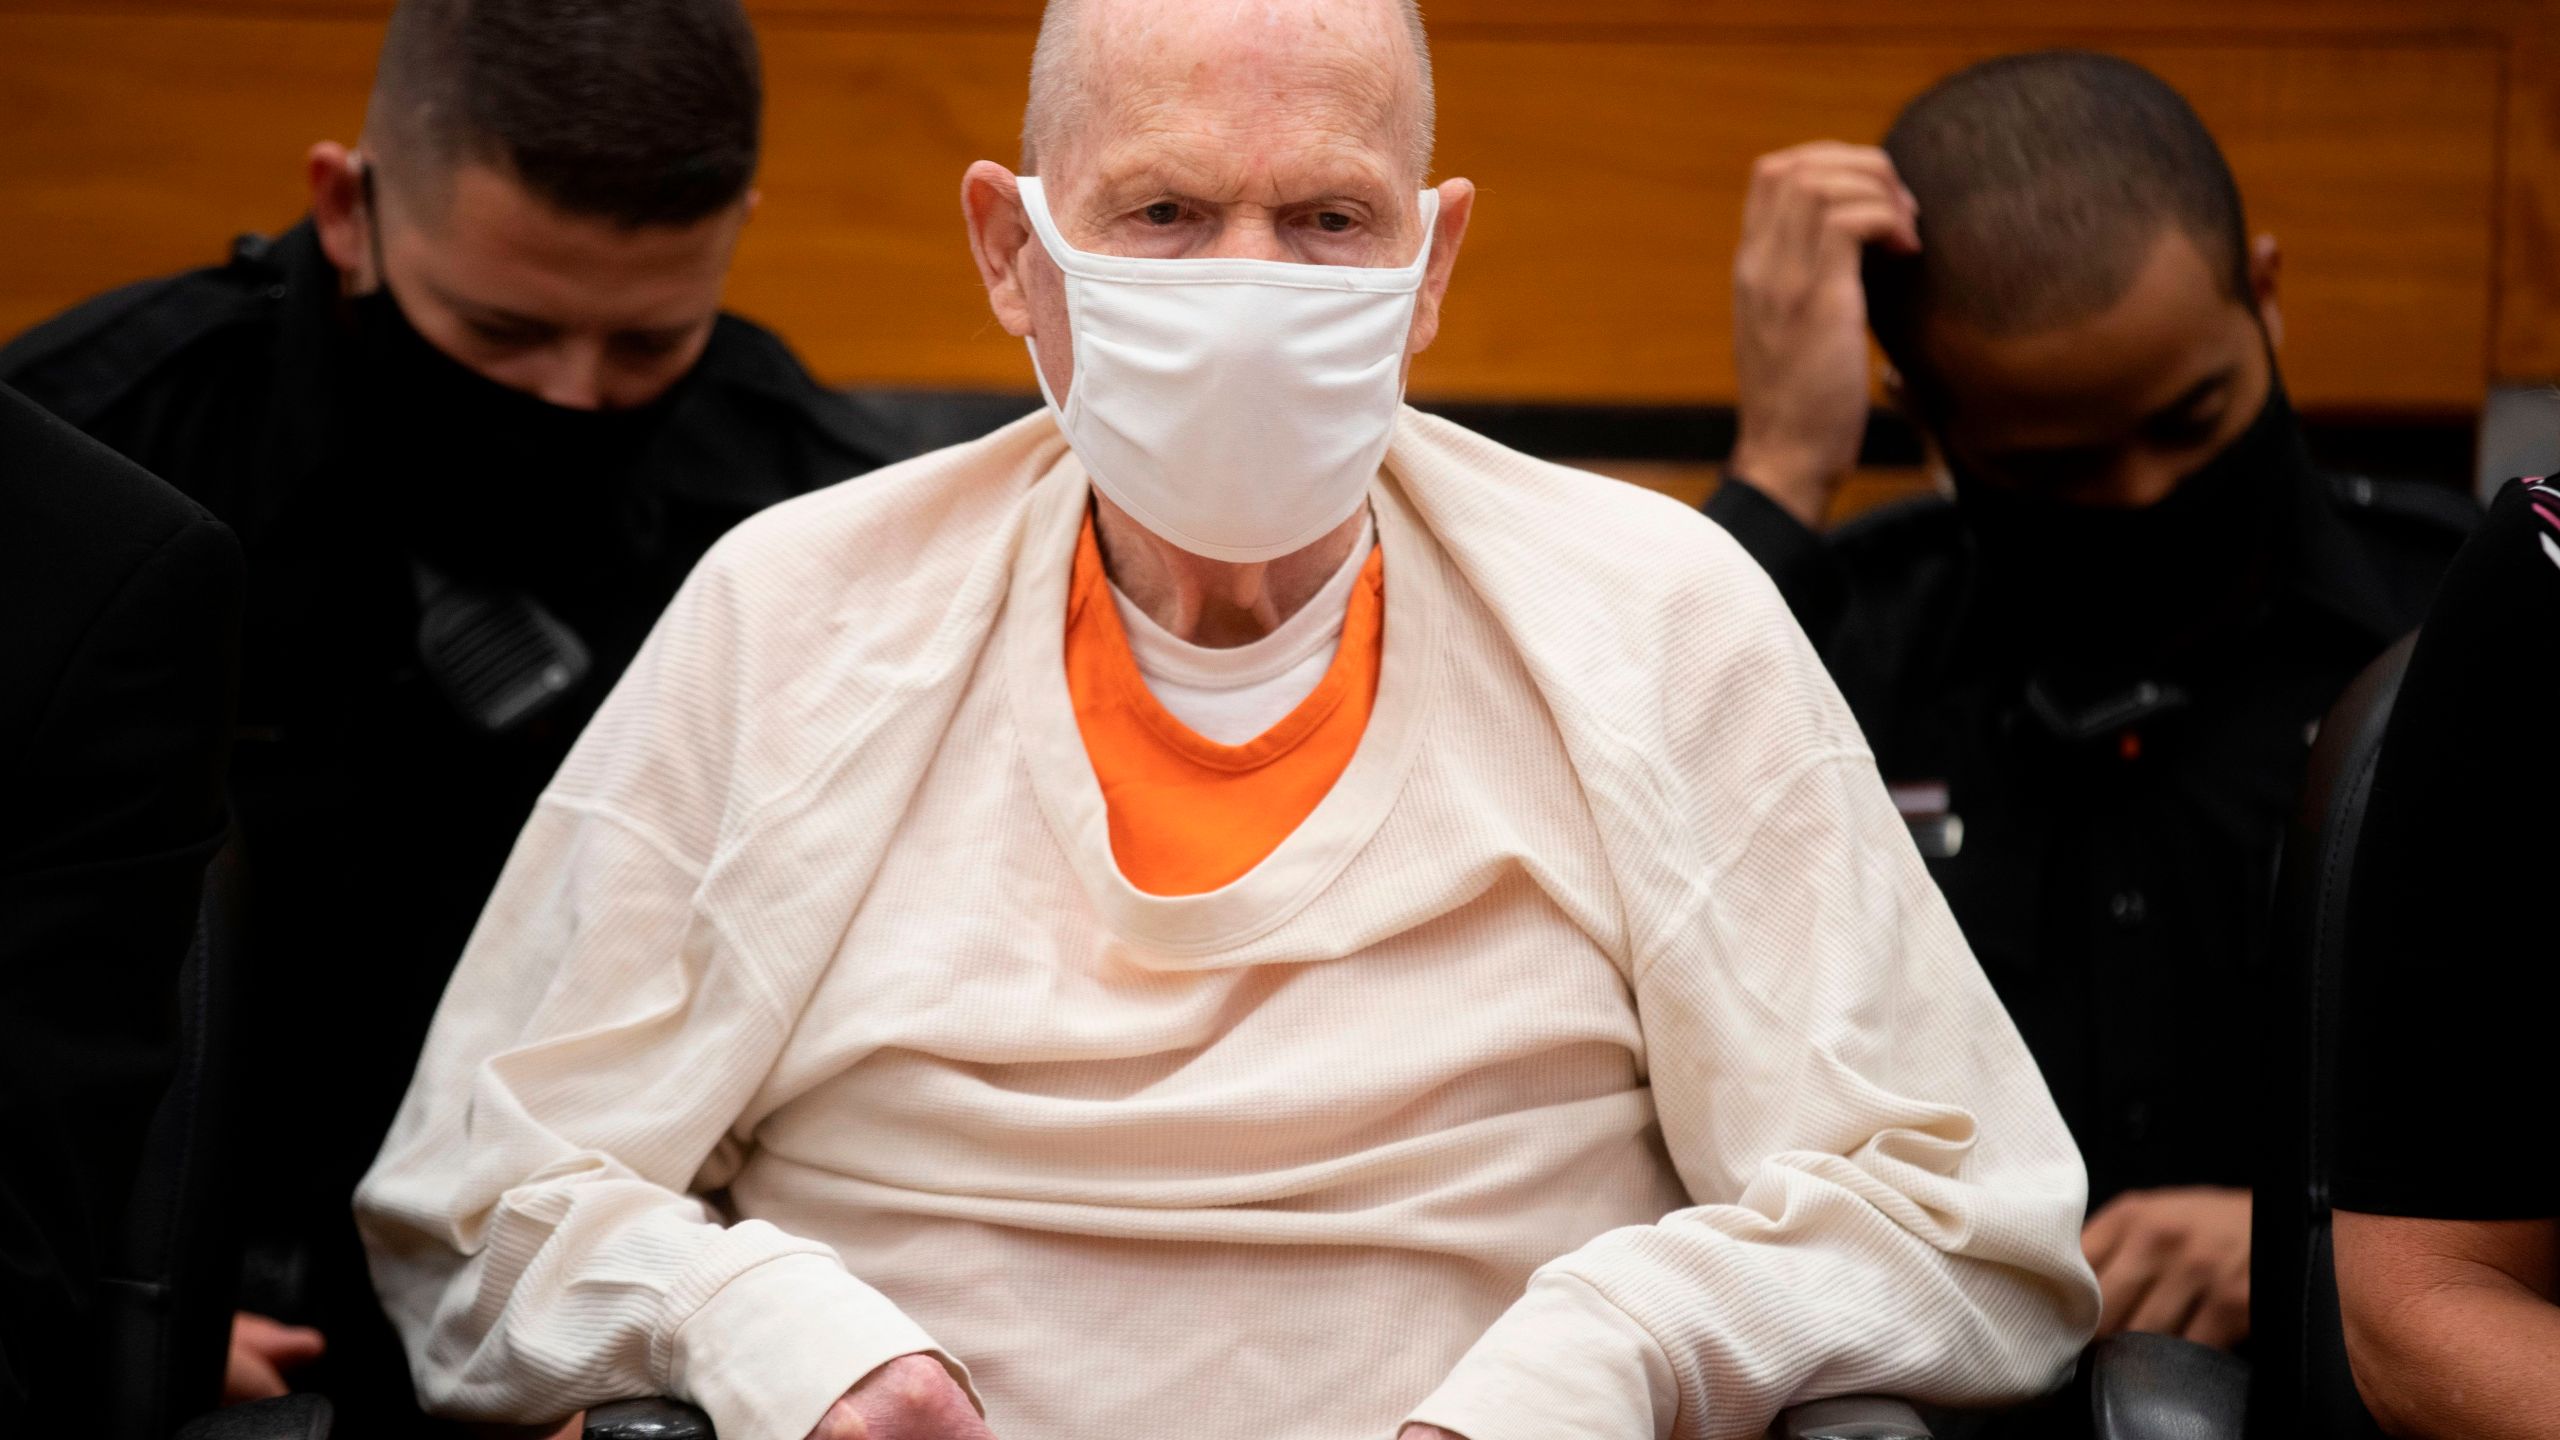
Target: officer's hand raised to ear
x,y
1800,314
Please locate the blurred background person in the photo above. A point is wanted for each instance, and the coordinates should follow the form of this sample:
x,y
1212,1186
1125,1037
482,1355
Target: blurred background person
x,y
474,418
2093,673
2448,1191
119,623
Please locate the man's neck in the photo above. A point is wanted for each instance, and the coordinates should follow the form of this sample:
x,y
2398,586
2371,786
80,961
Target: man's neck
x,y
1214,603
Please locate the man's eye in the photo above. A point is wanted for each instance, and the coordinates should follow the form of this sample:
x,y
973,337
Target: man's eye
x,y
2053,469
1333,222
508,336
1163,212
2185,430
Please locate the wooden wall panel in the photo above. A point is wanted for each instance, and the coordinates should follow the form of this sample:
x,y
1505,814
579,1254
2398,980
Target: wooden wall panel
x,y
2368,18
1611,145
858,253
1611,208
1691,484
2528,298
136,146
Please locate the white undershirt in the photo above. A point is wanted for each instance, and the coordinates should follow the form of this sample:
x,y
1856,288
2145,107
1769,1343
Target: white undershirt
x,y
1234,694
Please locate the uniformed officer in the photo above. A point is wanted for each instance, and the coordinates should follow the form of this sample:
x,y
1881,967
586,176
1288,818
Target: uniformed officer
x,y
474,420
2092,676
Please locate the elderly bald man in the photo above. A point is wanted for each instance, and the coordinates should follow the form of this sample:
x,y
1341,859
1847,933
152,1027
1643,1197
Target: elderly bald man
x,y
1279,919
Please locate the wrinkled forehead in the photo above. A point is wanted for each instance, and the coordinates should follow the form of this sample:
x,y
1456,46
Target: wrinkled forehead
x,y
1260,103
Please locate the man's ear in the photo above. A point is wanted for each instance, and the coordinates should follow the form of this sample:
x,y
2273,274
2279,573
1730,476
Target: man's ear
x,y
2265,262
1457,206
999,239
339,214
1933,453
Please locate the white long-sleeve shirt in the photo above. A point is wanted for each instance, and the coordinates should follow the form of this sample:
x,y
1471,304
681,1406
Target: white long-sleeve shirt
x,y
1597,1060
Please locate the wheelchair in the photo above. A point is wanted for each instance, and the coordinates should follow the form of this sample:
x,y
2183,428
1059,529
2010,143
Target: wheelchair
x,y
169,1307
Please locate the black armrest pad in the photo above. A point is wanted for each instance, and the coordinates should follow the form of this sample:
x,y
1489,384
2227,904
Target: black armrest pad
x,y
1863,1417
648,1420
1851,1417
286,1417
2157,1387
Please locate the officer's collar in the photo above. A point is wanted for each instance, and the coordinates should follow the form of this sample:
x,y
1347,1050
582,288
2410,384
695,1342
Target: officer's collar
x,y
2329,565
2316,564
310,350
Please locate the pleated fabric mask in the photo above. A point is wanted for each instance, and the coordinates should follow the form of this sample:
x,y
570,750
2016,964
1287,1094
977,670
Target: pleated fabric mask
x,y
1238,408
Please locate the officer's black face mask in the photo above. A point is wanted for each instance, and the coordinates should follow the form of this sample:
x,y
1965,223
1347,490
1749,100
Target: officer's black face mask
x,y
479,476
2141,579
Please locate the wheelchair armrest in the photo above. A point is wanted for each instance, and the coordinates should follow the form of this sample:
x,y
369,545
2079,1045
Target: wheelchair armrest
x,y
2158,1387
1851,1417
654,1419
1858,1417
286,1417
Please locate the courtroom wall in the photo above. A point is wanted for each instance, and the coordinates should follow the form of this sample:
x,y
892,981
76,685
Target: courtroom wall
x,y
2399,150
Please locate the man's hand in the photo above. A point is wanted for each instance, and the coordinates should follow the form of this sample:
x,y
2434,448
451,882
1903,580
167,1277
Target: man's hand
x,y
2175,1262
263,1352
910,1398
1800,314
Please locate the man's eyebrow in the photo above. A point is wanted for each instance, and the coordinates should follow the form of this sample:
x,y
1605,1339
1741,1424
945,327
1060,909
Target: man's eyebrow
x,y
2041,454
1347,195
489,314
659,334
1117,186
2196,394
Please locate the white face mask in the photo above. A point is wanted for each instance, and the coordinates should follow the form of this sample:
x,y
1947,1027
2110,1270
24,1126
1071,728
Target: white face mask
x,y
1237,408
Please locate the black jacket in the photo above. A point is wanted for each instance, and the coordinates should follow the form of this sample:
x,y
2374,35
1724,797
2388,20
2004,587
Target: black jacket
x,y
119,615
2110,856
374,819
2452,974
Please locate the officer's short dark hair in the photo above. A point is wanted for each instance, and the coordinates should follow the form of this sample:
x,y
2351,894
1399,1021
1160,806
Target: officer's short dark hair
x,y
640,112
2044,180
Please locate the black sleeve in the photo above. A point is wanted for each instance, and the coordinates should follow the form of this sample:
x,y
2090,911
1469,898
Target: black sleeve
x,y
2452,986
1797,558
118,806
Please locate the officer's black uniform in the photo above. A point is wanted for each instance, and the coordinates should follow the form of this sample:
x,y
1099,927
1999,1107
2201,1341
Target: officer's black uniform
x,y
374,819
2109,848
